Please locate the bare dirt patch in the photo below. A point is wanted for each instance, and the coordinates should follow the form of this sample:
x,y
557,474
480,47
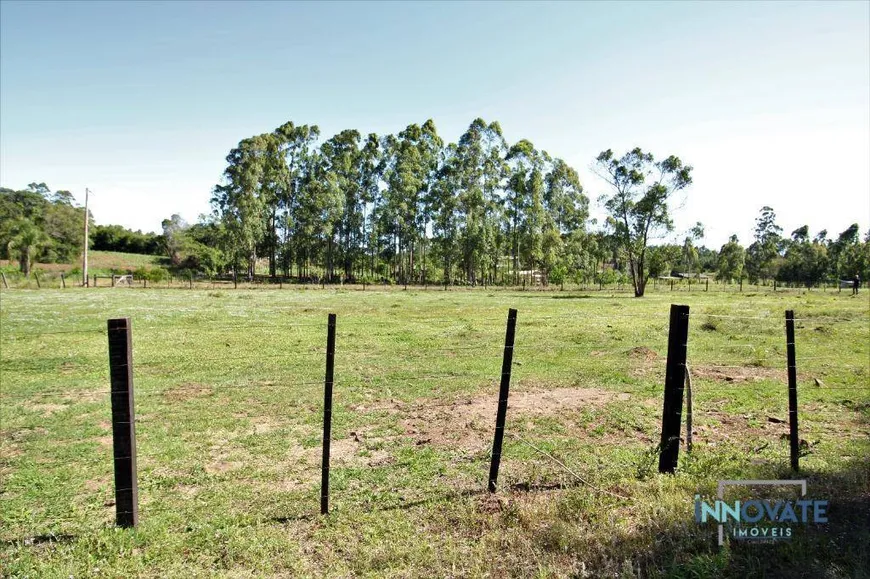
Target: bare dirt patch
x,y
737,373
187,391
468,423
82,396
642,353
47,409
264,424
355,451
98,484
221,466
645,361
714,428
187,491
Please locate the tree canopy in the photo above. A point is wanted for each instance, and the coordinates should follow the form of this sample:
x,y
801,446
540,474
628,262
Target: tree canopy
x,y
404,207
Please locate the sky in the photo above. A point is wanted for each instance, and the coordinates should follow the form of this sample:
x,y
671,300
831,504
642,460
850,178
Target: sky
x,y
140,102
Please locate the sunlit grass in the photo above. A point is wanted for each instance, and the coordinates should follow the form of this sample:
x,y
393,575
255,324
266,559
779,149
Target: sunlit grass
x,y
228,401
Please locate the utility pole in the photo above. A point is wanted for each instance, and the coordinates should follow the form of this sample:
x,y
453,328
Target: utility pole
x,y
85,259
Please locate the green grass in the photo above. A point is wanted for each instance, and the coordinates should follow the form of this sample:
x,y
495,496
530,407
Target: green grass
x,y
102,263
116,260
229,401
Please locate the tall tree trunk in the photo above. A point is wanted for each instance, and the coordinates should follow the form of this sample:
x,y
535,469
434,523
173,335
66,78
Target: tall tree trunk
x,y
515,249
25,261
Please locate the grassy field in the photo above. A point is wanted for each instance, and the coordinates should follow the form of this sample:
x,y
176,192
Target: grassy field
x,y
229,409
102,263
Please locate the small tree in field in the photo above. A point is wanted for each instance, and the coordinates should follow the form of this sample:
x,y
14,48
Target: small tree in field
x,y
731,260
638,205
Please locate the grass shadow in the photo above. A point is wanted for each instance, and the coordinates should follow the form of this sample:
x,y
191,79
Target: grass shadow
x,y
682,548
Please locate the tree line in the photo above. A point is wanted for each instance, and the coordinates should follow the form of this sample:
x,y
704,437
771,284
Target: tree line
x,y
410,208
41,226
798,258
38,225
404,207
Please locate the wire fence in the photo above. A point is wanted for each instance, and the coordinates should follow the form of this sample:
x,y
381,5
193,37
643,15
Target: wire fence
x,y
429,389
57,278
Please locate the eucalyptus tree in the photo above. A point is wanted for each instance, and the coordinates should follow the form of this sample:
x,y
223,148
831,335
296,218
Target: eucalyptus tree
x,y
342,158
239,202
275,180
495,172
567,211
295,146
690,259
731,260
404,180
431,146
481,171
523,161
369,177
411,168
804,261
762,254
468,169
838,249
444,204
173,237
534,221
639,202
319,208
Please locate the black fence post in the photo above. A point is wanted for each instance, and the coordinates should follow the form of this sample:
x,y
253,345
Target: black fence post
x,y
62,281
672,285
5,285
675,376
123,419
706,285
504,390
36,277
794,441
327,414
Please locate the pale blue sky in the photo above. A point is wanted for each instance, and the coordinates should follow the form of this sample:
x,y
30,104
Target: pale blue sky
x,y
142,101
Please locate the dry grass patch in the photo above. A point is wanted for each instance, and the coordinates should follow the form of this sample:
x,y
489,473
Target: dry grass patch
x,y
468,423
187,391
737,373
45,408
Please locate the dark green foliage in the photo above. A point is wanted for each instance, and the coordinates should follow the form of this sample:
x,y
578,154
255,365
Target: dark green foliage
x,y
402,207
45,226
119,238
638,206
731,259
